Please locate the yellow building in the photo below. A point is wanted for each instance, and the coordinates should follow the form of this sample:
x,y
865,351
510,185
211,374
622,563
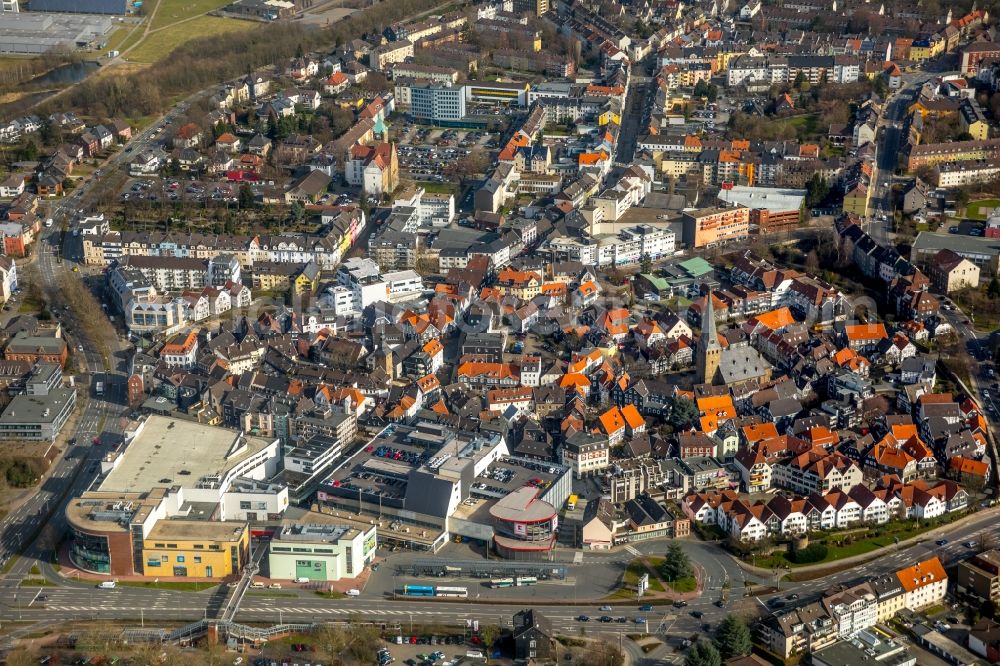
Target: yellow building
x,y
856,200
195,548
307,280
609,117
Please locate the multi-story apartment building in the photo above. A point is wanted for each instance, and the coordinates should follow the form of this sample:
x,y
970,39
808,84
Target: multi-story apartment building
x,y
585,454
967,172
936,153
712,226
979,576
390,53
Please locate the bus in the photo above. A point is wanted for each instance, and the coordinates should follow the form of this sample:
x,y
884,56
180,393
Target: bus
x,y
457,592
418,590
502,582
526,580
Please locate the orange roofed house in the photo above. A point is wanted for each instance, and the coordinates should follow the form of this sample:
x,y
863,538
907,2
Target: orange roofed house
x,y
181,351
864,338
374,168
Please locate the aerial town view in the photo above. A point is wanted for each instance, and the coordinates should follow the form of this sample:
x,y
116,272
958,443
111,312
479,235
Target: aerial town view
x,y
511,332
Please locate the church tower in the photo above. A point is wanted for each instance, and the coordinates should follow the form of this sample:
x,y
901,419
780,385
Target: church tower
x,y
709,349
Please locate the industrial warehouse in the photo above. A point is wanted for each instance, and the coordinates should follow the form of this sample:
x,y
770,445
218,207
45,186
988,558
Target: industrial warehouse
x,y
36,33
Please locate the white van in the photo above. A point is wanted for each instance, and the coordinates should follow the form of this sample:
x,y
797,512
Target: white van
x,y
108,585
353,593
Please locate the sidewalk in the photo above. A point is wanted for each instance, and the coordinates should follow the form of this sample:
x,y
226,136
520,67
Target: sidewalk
x,y
69,573
875,554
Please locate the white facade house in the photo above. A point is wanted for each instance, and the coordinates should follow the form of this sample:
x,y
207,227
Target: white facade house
x,y
320,552
254,501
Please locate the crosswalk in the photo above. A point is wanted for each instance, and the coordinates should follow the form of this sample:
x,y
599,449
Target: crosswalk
x,y
633,550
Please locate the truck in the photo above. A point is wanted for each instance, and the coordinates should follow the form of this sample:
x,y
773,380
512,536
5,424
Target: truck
x,y
113,54
571,502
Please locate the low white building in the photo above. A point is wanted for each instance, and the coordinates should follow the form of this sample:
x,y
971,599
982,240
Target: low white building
x,y
320,552
925,583
254,501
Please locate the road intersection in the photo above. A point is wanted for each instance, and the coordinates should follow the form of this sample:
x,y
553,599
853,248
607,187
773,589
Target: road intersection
x,y
593,577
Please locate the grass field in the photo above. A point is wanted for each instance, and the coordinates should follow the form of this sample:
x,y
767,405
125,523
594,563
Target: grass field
x,y
804,125
171,11
887,537
124,37
438,188
158,45
974,211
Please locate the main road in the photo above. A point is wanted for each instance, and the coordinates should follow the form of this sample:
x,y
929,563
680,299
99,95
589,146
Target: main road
x,y
74,600
76,468
890,139
78,600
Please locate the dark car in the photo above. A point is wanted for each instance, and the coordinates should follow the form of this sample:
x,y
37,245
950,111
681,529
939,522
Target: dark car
x,y
622,620
606,618
720,603
583,618
941,542
680,604
646,608
792,596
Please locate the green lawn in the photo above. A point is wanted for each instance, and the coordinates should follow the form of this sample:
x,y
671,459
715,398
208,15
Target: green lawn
x,y
169,585
171,11
439,188
37,582
687,584
634,571
331,595
881,537
804,125
159,44
974,211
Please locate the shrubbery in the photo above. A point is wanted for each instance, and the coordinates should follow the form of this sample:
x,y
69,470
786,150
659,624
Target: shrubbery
x,y
814,552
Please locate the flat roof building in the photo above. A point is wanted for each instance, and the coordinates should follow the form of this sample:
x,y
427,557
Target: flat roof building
x,y
428,481
320,552
35,33
178,490
775,199
37,417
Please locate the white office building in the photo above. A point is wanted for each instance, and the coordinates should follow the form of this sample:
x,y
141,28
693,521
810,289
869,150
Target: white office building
x,y
320,552
435,102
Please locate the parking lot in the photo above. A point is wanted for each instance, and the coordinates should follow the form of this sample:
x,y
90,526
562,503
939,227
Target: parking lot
x,y
173,189
158,190
425,152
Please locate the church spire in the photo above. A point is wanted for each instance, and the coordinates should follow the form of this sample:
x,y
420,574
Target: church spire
x,y
709,336
709,349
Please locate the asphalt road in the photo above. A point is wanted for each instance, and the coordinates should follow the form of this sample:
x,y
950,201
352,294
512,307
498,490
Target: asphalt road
x,y
74,601
72,472
891,138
